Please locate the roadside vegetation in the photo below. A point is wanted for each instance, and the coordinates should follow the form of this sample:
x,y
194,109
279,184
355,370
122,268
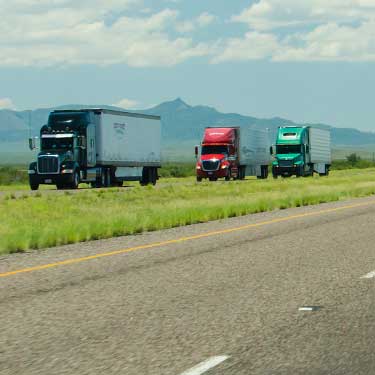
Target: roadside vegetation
x,y
44,220
16,176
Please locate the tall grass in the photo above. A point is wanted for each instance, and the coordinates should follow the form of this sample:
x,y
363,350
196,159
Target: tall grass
x,y
32,222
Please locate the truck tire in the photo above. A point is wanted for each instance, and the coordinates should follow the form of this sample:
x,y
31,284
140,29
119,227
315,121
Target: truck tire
x,y
60,186
154,175
241,172
229,175
145,180
75,180
263,172
199,179
34,185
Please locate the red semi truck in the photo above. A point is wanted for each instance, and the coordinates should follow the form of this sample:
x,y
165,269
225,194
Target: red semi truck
x,y
233,152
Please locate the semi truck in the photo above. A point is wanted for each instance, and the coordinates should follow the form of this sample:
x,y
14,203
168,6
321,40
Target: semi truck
x,y
301,151
233,152
100,147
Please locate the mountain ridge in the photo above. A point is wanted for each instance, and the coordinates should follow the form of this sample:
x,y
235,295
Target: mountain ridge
x,y
180,122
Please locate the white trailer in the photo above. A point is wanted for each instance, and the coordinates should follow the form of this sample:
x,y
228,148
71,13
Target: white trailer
x,y
320,149
128,139
254,151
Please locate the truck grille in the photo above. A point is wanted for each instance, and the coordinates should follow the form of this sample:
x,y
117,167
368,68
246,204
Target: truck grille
x,y
210,165
286,163
48,164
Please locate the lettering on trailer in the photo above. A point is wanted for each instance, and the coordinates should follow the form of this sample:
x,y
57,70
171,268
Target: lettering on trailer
x,y
120,129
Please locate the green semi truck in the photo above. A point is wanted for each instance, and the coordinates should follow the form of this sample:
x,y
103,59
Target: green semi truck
x,y
301,151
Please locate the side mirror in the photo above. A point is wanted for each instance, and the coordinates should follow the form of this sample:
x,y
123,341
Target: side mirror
x,y
271,150
32,143
307,149
196,150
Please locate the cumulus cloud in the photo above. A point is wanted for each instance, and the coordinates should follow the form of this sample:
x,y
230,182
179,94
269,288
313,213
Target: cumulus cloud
x,y
309,30
203,20
6,103
127,104
253,46
67,32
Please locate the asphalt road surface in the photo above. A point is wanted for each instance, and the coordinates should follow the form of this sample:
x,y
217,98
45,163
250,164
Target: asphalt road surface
x,y
217,298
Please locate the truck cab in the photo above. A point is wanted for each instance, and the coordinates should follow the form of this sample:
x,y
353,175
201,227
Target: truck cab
x,y
63,150
218,157
301,151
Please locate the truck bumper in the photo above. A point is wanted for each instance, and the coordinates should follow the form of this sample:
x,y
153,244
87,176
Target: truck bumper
x,y
50,179
285,171
221,173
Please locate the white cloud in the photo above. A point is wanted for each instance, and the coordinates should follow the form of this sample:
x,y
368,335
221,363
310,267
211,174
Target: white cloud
x,y
67,32
127,104
6,103
312,30
253,46
270,14
203,20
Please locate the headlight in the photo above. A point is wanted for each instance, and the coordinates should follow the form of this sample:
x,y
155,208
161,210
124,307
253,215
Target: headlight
x,y
31,171
224,166
198,167
67,171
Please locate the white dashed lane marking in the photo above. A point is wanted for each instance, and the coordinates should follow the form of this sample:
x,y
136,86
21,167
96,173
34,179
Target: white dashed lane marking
x,y
369,275
206,365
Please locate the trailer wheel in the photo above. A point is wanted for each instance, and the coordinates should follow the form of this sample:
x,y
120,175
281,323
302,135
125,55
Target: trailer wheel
x,y
263,172
145,180
154,175
241,172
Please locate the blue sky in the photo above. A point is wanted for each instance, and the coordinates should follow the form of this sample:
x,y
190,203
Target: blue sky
x,y
310,61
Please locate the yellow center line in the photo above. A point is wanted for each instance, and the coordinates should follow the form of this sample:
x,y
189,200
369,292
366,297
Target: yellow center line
x,y
182,239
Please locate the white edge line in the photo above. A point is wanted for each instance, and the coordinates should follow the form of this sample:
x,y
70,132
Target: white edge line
x,y
369,275
206,365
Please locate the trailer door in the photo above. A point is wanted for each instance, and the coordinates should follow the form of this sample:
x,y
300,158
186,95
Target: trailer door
x,y
91,147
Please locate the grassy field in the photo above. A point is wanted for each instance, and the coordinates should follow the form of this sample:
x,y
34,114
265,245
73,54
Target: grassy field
x,y
31,222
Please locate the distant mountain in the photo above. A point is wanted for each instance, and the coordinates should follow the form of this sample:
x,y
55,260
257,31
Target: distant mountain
x,y
182,124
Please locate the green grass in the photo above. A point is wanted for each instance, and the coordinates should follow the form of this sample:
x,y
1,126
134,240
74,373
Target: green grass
x,y
31,222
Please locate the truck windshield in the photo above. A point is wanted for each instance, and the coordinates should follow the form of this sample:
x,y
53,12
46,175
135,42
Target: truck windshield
x,y
57,144
70,119
288,149
206,150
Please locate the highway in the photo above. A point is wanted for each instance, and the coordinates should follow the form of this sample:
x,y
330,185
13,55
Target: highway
x,y
285,292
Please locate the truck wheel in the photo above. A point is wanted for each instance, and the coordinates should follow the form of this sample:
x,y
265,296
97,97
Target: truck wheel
x,y
60,186
75,180
199,179
145,177
154,175
274,176
241,173
229,175
34,185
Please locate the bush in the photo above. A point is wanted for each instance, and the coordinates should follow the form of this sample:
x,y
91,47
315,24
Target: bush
x,y
10,175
